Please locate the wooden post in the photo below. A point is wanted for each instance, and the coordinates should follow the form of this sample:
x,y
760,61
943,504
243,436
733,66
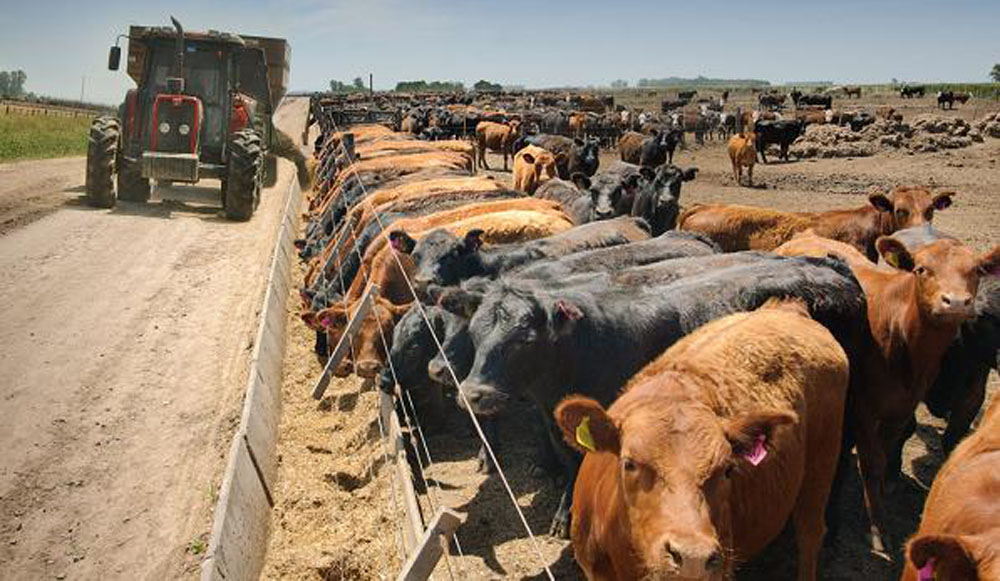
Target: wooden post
x,y
413,526
422,562
345,341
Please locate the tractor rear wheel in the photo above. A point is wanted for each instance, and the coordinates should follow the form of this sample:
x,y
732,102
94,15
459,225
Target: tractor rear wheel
x,y
243,177
132,187
102,152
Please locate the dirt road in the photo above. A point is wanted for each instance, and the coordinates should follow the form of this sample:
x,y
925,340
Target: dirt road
x,y
124,342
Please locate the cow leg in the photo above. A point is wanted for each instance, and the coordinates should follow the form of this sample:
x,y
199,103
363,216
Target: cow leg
x,y
736,172
482,158
505,161
894,459
871,464
965,410
750,175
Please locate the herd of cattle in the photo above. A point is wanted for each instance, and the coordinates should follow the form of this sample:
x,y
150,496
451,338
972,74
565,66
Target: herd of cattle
x,y
700,374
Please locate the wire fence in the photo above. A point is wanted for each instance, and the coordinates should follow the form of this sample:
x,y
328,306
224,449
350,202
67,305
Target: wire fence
x,y
335,162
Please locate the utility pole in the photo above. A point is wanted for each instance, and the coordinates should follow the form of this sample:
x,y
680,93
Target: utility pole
x,y
371,86
83,84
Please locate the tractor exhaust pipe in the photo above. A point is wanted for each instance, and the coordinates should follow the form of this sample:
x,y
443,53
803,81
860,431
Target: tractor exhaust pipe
x,y
176,84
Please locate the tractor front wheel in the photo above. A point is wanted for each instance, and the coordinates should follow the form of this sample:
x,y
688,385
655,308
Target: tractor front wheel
x,y
132,187
241,190
102,152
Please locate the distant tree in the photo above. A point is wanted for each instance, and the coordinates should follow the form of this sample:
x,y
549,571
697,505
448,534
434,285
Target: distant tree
x,y
12,83
619,84
424,86
895,81
995,73
485,86
359,83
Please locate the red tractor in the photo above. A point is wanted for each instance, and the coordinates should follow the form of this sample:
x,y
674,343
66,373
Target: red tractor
x,y
201,109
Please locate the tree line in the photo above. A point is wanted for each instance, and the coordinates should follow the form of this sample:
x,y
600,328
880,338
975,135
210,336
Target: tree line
x,y
12,83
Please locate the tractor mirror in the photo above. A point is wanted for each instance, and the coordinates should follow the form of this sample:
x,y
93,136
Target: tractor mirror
x,y
114,58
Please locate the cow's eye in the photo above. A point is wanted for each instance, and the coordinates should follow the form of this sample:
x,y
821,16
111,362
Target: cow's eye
x,y
920,271
629,465
929,215
901,212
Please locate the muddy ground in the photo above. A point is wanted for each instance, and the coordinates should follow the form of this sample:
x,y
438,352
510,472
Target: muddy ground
x,y
126,336
326,531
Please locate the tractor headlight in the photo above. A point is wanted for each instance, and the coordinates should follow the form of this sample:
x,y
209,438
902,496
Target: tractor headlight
x,y
183,129
164,128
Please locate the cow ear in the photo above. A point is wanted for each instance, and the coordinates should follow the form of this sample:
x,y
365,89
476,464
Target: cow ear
x,y
564,315
561,158
473,240
648,173
580,180
631,181
942,557
690,173
894,253
586,426
943,200
401,241
528,158
460,302
750,434
881,202
578,142
989,263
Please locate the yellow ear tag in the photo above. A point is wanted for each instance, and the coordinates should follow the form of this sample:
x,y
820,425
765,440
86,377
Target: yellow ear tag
x,y
892,259
583,435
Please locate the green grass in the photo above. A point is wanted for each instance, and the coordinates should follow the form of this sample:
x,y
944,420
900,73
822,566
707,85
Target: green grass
x,y
39,136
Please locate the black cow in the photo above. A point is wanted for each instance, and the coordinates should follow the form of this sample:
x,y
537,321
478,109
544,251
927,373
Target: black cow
x,y
909,92
575,198
668,105
442,258
577,155
825,101
686,95
659,149
658,198
589,339
946,98
782,132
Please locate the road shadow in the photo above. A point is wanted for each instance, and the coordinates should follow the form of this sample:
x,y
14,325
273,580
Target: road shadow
x,y
166,202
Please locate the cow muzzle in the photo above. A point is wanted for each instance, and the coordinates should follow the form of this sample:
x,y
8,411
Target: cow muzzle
x,y
482,400
957,305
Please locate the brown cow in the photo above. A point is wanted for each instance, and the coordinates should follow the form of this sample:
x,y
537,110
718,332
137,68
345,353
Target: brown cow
x,y
959,534
915,308
577,123
710,450
735,227
630,146
533,166
498,137
743,153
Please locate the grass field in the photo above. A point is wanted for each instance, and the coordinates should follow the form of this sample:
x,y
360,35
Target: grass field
x,y
39,136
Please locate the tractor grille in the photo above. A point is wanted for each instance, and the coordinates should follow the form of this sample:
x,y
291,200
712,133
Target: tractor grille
x,y
171,115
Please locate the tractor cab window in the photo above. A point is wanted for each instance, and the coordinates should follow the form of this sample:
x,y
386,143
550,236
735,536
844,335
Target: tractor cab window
x,y
205,73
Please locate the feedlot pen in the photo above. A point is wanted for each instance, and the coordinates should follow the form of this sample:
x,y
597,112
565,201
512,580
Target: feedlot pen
x,y
340,508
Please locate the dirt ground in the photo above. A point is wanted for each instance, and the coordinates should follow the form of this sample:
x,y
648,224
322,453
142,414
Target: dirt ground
x,y
125,338
323,531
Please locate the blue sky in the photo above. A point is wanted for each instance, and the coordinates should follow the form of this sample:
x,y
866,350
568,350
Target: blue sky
x,y
537,43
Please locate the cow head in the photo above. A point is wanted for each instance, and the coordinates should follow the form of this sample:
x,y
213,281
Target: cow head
x,y
949,557
517,331
945,274
613,194
663,200
906,207
443,258
412,346
543,166
676,465
376,331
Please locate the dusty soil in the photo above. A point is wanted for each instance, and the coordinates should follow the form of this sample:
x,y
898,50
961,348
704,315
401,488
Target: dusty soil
x,y
126,336
322,531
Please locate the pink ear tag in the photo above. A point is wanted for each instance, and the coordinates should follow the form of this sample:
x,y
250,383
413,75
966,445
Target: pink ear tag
x,y
325,322
926,573
757,454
